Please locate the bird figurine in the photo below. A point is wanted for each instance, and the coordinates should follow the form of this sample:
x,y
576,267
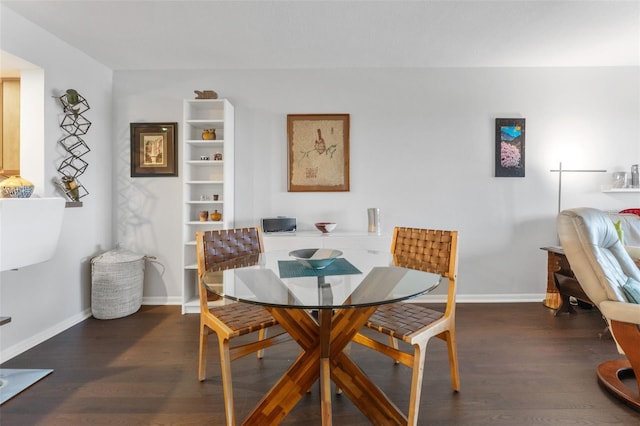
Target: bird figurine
x,y
205,94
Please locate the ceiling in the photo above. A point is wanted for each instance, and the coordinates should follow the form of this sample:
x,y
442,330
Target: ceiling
x,y
261,34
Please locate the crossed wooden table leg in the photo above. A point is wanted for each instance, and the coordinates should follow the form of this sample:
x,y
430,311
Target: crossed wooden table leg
x,y
323,358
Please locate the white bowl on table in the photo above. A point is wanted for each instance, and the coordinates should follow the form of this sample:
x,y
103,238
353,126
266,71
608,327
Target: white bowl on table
x,y
315,258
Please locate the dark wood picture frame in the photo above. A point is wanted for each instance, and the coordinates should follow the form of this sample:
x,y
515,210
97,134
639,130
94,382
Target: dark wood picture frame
x,y
318,152
154,149
510,147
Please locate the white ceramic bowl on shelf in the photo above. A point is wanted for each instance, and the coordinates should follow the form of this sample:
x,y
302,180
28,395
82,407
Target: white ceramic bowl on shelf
x,y
325,227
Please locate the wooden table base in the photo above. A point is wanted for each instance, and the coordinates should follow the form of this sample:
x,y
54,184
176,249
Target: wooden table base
x,y
323,358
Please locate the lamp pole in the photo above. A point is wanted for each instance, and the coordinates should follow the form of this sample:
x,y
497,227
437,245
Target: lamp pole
x,y
560,171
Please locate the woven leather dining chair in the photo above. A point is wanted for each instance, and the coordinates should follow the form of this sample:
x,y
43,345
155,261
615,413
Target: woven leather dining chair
x,y
431,251
217,250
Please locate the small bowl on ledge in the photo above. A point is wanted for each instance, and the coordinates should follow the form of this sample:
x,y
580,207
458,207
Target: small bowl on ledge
x,y
325,227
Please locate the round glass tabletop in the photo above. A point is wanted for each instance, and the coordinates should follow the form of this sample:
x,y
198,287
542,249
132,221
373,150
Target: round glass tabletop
x,y
356,278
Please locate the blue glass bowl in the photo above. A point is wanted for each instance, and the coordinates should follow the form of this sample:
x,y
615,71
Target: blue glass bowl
x,y
315,258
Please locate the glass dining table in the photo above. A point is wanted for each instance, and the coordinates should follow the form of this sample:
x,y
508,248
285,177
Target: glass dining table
x,y
322,310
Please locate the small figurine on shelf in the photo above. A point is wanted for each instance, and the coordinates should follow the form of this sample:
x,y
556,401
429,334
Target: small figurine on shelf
x,y
208,134
216,216
217,156
205,94
71,188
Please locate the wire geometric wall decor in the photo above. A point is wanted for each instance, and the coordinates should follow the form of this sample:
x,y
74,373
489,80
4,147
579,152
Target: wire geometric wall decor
x,y
75,125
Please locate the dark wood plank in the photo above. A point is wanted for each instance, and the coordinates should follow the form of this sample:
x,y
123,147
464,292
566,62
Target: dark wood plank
x,y
519,365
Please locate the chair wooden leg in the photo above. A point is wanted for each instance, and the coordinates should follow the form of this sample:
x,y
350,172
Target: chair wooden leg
x,y
227,384
416,383
450,338
262,334
393,342
202,360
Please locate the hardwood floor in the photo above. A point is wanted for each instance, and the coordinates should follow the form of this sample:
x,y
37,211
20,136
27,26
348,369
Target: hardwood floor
x,y
519,365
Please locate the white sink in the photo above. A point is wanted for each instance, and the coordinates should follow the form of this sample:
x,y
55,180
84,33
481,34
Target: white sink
x,y
29,230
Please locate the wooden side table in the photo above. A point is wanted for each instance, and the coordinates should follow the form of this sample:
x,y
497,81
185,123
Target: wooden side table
x,y
556,261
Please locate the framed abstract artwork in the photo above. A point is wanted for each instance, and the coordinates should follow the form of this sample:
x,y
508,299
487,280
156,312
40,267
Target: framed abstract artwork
x,y
318,152
154,149
510,153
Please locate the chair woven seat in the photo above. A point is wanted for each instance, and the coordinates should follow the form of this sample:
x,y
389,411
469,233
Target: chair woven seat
x,y
243,318
401,320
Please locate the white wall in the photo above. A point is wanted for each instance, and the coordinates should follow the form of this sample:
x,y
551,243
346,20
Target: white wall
x,y
422,147
422,150
47,298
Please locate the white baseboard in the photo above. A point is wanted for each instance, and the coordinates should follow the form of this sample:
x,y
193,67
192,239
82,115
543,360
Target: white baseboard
x,y
38,338
162,300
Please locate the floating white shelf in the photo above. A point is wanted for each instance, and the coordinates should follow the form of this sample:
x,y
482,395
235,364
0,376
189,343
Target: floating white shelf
x,y
610,189
206,222
201,143
205,162
205,202
203,182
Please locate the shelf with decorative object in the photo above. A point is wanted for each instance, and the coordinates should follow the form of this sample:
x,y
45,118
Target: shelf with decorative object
x,y
204,162
208,186
205,144
205,202
621,190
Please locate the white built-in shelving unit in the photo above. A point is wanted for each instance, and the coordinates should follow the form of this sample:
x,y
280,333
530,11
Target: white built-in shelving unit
x,y
202,179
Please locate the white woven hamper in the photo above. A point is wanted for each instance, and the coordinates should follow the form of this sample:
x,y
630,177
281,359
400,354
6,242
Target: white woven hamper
x,y
117,277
